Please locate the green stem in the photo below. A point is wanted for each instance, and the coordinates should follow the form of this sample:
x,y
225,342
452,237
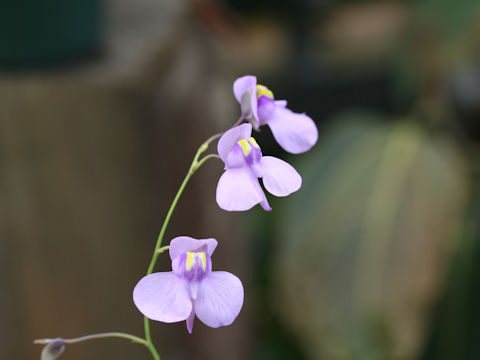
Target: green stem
x,y
163,248
158,247
148,337
167,220
133,338
205,158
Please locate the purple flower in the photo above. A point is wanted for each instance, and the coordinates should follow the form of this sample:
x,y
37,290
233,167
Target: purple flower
x,y
238,188
296,133
192,288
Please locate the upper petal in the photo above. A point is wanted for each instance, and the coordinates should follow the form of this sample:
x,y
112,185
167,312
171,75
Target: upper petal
x,y
230,138
243,85
163,297
239,190
279,177
296,133
181,244
220,299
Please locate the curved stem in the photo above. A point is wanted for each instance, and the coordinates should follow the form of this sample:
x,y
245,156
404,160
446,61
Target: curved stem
x,y
133,338
205,158
163,248
167,220
157,251
148,336
193,167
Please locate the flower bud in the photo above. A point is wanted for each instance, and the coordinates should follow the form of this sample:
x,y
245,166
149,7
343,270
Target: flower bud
x,y
53,349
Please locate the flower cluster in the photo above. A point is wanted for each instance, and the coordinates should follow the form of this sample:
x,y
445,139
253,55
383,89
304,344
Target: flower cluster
x,y
192,289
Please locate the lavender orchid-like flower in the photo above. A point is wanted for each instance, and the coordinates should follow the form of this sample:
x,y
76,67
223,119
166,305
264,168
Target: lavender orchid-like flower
x,y
191,289
296,133
238,188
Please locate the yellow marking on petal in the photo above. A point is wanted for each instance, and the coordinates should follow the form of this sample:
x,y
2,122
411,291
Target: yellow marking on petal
x,y
190,260
203,259
246,148
264,91
253,142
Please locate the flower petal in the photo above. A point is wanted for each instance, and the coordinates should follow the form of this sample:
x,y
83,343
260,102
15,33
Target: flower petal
x,y
279,177
266,106
220,299
181,244
235,158
239,190
230,138
242,84
163,296
248,102
296,133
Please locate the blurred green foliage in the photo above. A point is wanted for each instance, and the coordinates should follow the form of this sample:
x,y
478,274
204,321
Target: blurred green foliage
x,y
376,257
454,18
362,249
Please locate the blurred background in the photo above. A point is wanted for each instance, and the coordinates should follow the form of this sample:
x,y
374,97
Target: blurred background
x,y
103,104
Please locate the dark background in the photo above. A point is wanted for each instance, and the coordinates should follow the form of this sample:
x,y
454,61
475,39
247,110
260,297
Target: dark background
x,y
103,105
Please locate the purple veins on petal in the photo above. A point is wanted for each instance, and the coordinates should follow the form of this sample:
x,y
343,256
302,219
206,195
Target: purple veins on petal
x,y
193,265
175,296
245,153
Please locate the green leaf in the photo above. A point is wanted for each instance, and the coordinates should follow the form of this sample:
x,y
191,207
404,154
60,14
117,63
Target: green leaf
x,y
455,17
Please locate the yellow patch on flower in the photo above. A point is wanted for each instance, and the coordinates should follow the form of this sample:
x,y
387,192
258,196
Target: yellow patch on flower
x,y
203,259
264,91
246,147
192,260
253,142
